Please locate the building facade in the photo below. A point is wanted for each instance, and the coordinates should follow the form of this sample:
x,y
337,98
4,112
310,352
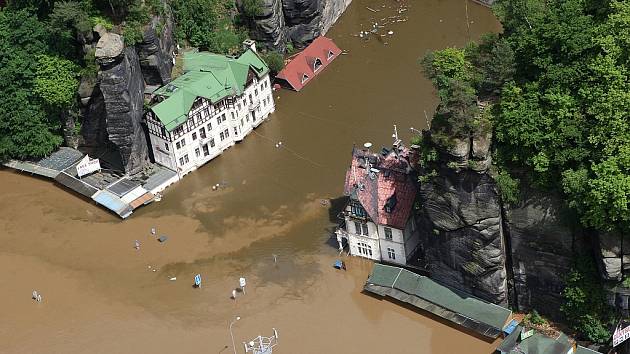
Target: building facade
x,y
378,220
216,103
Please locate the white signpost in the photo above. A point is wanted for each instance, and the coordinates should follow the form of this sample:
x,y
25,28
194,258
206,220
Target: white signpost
x,y
87,166
242,283
621,335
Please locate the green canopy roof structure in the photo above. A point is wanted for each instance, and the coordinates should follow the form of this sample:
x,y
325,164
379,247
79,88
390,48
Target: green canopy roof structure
x,y
537,343
211,76
466,310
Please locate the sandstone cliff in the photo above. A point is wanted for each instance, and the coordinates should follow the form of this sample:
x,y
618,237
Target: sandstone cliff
x,y
543,245
112,104
297,21
460,223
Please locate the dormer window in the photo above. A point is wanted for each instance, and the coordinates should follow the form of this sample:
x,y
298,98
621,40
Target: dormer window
x,y
304,78
330,55
317,64
390,204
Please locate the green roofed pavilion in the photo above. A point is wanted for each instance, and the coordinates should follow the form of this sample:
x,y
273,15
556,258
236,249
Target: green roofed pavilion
x,y
417,290
211,76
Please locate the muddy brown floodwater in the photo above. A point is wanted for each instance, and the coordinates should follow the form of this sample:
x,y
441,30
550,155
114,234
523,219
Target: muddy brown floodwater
x,y
100,295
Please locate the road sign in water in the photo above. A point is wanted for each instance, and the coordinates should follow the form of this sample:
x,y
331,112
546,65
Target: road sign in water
x,y
198,280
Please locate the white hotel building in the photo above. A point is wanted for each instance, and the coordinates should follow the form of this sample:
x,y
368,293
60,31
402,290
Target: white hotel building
x,y
213,105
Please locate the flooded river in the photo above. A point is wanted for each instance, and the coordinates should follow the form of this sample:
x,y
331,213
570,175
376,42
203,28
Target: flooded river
x,y
100,295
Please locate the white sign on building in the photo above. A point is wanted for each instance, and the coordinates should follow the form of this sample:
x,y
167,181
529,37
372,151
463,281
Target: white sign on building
x,y
87,166
621,335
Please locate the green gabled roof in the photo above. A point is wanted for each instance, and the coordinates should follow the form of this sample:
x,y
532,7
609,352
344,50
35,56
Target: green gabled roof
x,y
207,75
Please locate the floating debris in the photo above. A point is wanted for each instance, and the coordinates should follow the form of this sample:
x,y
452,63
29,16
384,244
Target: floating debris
x,y
173,278
162,238
371,9
390,33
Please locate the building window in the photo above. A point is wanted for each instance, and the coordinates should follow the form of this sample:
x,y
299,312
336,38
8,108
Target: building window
x,y
209,126
391,253
223,117
183,142
388,233
256,92
262,84
361,228
181,161
235,131
317,64
178,145
218,120
365,249
251,101
194,136
247,117
241,122
206,152
227,133
222,136
304,78
357,210
163,131
212,142
166,146
238,106
233,117
202,133
186,158
197,152
330,54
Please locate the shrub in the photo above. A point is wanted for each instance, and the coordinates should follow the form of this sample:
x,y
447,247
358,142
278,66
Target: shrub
x,y
252,8
585,306
534,318
508,187
274,60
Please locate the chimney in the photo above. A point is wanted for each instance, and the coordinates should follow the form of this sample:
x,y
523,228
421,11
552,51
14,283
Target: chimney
x,y
249,44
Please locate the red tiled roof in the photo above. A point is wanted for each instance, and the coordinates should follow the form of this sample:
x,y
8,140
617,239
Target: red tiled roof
x,y
304,63
391,184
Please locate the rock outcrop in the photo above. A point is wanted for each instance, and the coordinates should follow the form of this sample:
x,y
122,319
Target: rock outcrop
x,y
297,21
460,223
269,28
155,52
122,87
612,252
112,105
542,246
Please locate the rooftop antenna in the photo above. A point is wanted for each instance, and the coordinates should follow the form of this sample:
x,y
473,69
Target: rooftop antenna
x,y
395,135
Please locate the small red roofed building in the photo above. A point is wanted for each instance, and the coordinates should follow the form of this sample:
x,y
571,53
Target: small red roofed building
x,y
379,218
309,63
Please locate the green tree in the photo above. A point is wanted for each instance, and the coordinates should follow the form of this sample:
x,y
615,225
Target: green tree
x,y
274,60
26,128
252,8
56,81
585,306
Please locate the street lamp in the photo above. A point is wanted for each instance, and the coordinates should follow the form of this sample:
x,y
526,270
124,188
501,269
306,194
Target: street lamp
x,y
232,335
